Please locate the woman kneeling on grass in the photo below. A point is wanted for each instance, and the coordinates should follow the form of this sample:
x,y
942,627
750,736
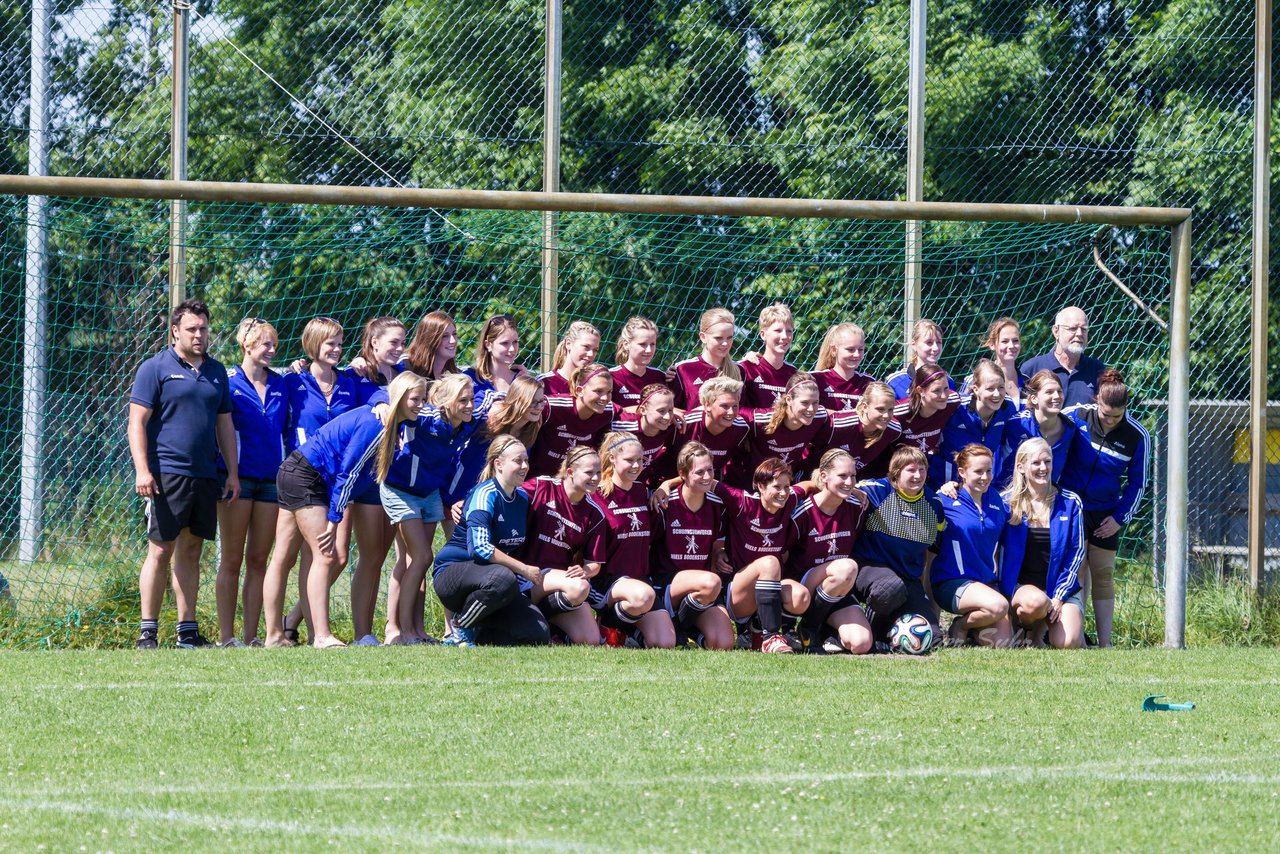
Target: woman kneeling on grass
x,y
477,575
1042,549
566,543
686,528
963,574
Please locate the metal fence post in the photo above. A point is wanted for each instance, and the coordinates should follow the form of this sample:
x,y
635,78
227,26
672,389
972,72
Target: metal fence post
x,y
1261,283
1175,580
35,355
915,168
178,153
551,184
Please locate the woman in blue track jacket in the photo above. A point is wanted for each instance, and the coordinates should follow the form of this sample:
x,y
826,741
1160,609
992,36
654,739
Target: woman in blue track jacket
x,y
1108,470
1042,549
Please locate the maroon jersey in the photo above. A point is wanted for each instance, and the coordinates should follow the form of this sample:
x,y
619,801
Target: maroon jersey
x,y
683,537
847,432
722,445
655,447
553,383
838,394
627,386
686,378
819,538
751,531
562,533
626,525
562,429
784,443
763,384
922,431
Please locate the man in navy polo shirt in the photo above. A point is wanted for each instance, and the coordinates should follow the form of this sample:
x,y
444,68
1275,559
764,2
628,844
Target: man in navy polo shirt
x,y
1079,373
179,415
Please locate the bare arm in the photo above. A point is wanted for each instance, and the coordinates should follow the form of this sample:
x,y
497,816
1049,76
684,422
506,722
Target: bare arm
x,y
226,431
519,567
144,482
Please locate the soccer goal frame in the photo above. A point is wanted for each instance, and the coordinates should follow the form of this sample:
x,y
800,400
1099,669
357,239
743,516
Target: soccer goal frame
x,y
1177,220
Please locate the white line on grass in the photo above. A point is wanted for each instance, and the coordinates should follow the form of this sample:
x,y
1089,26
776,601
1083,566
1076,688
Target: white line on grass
x,y
259,825
1116,770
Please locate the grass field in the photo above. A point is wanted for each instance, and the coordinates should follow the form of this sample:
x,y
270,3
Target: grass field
x,y
617,750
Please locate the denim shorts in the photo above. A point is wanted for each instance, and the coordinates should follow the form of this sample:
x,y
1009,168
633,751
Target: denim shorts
x,y
947,593
401,505
252,488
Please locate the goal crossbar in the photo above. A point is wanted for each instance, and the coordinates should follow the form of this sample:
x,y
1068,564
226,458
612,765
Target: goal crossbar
x,y
1178,220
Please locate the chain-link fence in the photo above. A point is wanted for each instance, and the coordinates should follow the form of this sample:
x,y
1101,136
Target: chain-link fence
x,y
1099,103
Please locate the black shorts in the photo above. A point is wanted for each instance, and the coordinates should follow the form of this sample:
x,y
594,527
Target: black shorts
x,y
299,485
183,502
1092,519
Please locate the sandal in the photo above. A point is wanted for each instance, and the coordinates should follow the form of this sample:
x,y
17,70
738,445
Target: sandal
x,y
290,634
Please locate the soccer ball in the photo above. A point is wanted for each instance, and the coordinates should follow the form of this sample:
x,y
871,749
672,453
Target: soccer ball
x,y
912,634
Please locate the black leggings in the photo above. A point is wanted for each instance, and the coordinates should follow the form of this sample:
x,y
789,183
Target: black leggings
x,y
886,596
488,599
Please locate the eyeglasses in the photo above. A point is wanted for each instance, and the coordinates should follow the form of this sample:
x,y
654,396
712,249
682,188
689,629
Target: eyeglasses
x,y
1074,328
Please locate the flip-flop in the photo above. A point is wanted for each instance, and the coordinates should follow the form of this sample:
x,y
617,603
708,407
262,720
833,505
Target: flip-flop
x,y
290,634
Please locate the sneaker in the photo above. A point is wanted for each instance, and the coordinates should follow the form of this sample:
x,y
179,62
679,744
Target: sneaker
x,y
368,640
196,641
776,643
147,641
832,646
461,638
234,643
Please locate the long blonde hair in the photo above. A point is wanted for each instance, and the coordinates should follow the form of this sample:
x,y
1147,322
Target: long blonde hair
x,y
827,354
509,416
609,447
798,379
577,330
448,389
397,413
1018,496
923,327
711,317
499,447
628,334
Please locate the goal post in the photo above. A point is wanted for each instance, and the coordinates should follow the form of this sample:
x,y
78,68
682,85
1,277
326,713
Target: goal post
x,y
670,256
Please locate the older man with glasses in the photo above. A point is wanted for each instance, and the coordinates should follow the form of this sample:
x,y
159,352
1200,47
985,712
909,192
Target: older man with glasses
x,y
1079,373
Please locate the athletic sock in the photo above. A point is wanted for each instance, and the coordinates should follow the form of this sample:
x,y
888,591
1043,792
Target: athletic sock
x,y
554,604
815,618
688,612
769,605
188,630
148,628
628,618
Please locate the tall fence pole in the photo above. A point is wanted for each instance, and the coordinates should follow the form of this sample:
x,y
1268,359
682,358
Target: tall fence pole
x,y
915,168
551,184
1176,542
1261,284
34,332
178,153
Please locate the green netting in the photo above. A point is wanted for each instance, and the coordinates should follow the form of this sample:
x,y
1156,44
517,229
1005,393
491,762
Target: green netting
x,y
107,303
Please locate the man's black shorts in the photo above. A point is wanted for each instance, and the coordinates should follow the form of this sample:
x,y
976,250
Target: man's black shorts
x,y
183,502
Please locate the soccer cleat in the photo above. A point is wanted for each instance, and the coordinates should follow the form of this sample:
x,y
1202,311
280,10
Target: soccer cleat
x,y
462,638
196,641
881,648
368,640
612,637
776,644
832,646
793,640
147,641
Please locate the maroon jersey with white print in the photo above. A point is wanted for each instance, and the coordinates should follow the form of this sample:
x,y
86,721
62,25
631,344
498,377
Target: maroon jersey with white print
x,y
819,538
784,443
686,378
751,531
627,524
838,394
562,429
561,533
627,386
683,537
654,447
553,383
849,433
762,383
925,431
722,445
